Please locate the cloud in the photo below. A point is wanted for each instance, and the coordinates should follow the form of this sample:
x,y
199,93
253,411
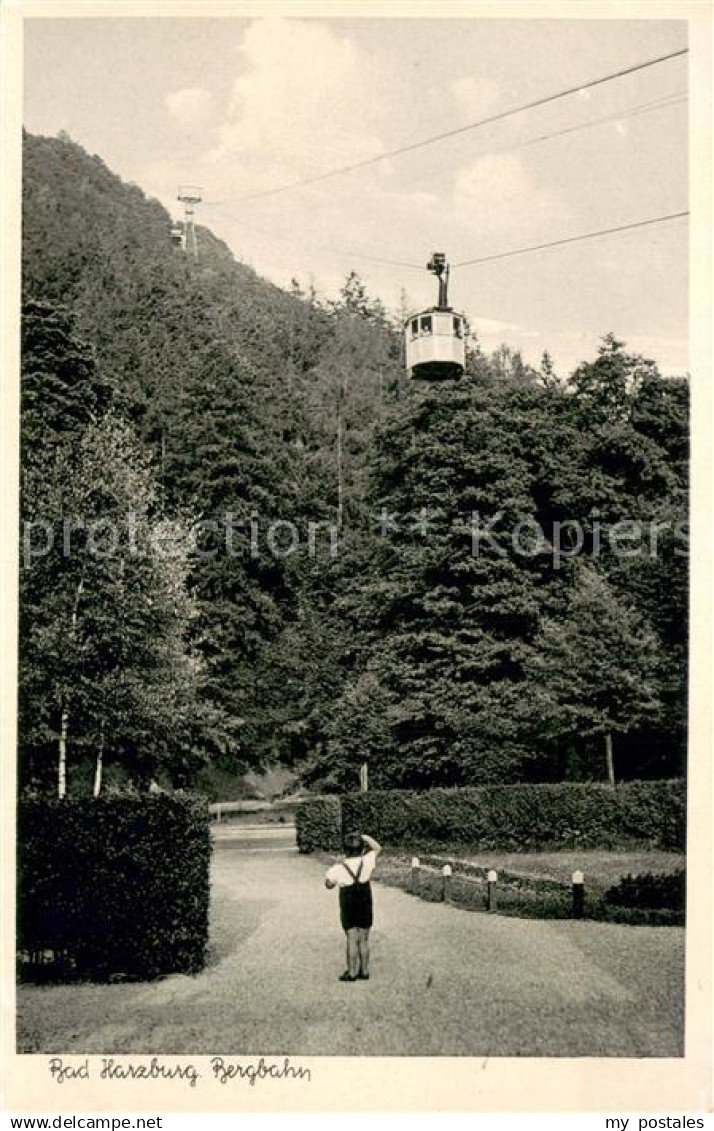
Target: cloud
x,y
190,106
497,194
306,99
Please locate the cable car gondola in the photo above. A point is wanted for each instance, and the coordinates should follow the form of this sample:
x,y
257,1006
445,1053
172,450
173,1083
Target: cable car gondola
x,y
435,346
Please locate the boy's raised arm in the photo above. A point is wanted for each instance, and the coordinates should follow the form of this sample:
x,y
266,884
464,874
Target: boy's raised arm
x,y
372,843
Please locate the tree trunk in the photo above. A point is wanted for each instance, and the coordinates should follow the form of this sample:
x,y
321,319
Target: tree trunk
x,y
608,759
572,760
62,752
100,761
339,471
64,720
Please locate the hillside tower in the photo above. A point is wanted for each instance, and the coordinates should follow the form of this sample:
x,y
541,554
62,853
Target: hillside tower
x,y
190,196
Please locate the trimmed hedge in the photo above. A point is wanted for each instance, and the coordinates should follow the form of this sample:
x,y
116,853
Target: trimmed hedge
x,y
659,891
524,817
115,885
318,825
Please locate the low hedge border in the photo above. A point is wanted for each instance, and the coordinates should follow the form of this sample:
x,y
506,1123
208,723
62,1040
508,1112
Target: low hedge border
x,y
480,873
518,895
114,886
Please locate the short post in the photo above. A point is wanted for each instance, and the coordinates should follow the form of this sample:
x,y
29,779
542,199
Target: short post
x,y
446,873
414,878
578,894
491,891
218,814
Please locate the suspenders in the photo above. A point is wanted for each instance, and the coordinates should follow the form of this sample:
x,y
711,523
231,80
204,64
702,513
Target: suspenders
x,y
347,868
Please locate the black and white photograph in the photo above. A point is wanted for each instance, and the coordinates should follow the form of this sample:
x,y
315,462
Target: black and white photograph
x,y
355,397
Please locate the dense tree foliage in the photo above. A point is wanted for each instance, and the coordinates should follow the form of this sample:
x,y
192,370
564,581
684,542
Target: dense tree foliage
x,y
106,667
596,671
429,579
480,638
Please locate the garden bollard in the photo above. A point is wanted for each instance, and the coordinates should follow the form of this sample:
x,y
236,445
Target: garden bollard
x,y
414,880
491,897
578,895
446,872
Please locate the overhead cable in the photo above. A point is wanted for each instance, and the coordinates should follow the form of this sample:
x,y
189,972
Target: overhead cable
x,y
318,246
674,99
500,116
643,108
571,239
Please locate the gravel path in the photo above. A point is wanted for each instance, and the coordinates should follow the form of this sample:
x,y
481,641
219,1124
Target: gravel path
x,y
444,982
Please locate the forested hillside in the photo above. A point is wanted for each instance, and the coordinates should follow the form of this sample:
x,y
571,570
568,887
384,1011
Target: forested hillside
x,y
210,418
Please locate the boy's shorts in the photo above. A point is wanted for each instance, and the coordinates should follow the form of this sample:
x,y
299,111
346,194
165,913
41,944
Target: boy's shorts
x,y
356,906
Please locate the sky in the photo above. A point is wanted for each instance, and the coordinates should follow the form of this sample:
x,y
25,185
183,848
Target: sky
x,y
240,106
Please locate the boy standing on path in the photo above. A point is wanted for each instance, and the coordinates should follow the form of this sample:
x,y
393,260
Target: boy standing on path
x,y
352,876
